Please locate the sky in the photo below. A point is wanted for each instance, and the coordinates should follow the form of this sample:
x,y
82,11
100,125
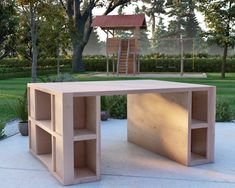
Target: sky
x,y
130,10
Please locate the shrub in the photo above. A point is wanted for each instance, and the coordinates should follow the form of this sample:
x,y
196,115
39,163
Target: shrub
x,y
118,106
104,103
20,108
66,77
223,112
151,63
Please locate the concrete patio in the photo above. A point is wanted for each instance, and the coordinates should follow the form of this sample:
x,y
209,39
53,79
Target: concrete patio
x,y
123,164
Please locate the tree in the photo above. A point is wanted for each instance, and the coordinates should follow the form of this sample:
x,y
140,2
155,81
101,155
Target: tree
x,y
123,33
23,38
177,12
191,24
79,15
155,7
30,8
192,30
184,22
161,45
93,46
52,32
220,19
8,27
145,46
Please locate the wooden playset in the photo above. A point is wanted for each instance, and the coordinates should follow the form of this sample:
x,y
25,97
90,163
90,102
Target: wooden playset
x,y
125,49
175,120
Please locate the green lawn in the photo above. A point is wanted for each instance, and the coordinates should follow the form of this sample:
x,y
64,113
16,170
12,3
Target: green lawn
x,y
10,89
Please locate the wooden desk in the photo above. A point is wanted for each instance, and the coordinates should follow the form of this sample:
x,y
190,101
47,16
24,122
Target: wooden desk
x,y
172,119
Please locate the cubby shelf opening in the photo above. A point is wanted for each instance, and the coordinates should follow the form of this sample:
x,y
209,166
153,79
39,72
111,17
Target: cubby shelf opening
x,y
84,109
46,124
44,146
198,144
199,107
84,159
43,107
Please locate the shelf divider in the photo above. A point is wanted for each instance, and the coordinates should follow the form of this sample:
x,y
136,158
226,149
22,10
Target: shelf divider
x,y
46,159
197,124
84,134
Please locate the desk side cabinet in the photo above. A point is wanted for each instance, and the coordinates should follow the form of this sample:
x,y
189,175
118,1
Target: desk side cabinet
x,y
64,134
178,125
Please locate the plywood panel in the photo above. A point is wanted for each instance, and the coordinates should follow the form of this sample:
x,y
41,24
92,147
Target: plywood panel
x,y
53,127
91,113
131,62
79,112
85,113
31,99
91,153
58,157
85,155
112,45
28,101
32,136
42,105
159,122
43,142
100,88
98,140
199,142
67,124
200,105
80,154
211,123
133,46
58,121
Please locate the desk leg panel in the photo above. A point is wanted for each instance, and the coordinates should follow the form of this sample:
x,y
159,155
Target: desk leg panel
x,y
211,121
159,123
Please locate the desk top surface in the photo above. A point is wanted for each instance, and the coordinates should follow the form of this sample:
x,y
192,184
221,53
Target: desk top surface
x,y
95,88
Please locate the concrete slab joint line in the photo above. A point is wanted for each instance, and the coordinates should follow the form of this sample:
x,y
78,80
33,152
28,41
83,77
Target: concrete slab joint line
x,y
176,119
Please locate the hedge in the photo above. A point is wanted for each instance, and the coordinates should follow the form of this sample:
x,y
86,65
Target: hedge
x,y
117,106
16,67
223,110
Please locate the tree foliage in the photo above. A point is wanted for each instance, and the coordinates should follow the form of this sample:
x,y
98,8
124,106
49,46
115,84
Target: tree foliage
x,y
53,37
30,8
184,21
145,46
79,14
8,27
93,46
23,38
38,29
153,9
220,19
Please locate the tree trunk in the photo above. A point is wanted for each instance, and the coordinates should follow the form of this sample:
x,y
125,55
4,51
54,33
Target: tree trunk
x,y
182,56
57,59
154,42
34,45
153,25
80,26
77,63
34,64
224,61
